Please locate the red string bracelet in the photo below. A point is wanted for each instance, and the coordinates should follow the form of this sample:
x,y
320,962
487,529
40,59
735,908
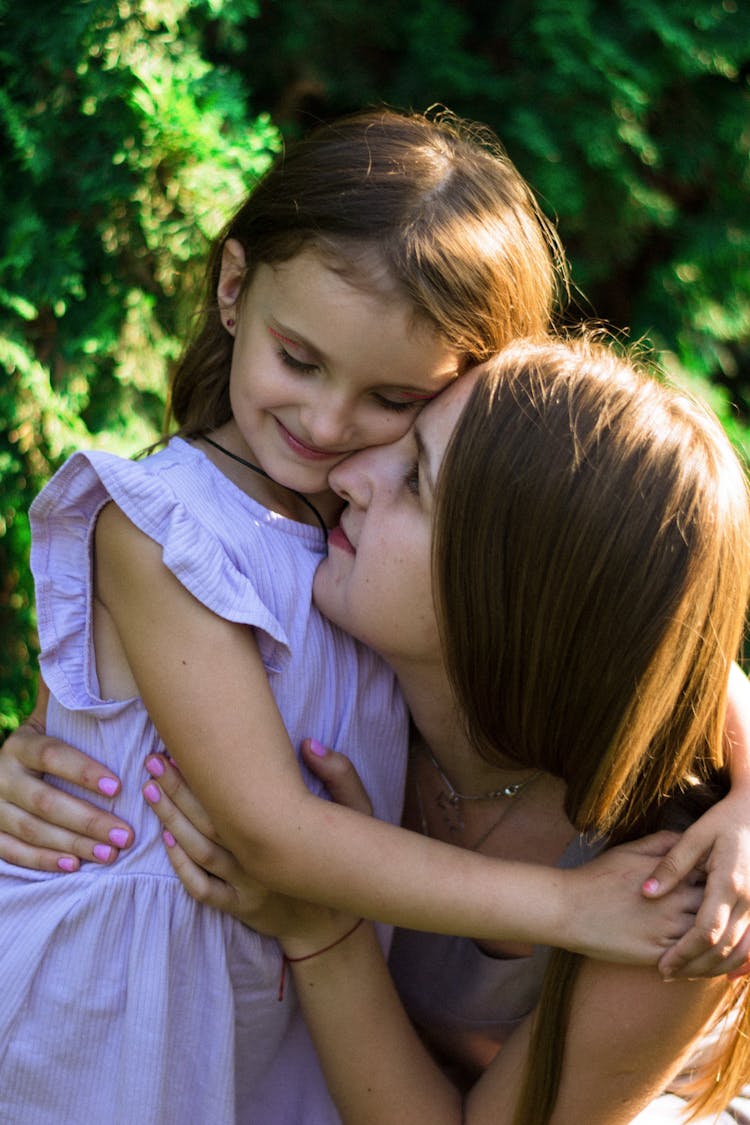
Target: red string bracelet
x,y
308,956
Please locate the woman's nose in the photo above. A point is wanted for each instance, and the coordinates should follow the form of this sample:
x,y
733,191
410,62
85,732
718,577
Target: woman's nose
x,y
352,479
376,471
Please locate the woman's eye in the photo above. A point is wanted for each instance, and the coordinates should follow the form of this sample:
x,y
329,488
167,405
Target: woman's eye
x,y
296,364
411,479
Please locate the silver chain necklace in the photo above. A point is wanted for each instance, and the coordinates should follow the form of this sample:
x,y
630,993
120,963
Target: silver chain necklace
x,y
449,799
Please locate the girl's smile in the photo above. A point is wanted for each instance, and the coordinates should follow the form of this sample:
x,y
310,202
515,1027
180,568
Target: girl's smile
x,y
322,365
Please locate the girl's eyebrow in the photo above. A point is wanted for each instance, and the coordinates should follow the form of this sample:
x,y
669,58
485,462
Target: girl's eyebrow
x,y
416,396
298,343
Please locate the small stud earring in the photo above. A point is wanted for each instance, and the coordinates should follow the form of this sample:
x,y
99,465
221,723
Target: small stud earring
x,y
230,322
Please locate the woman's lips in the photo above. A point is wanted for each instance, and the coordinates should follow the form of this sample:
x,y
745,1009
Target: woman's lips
x,y
307,451
337,538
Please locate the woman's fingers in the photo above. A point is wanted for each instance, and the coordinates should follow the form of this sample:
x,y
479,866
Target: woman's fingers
x,y
338,775
15,851
43,827
35,751
197,882
197,845
169,780
702,953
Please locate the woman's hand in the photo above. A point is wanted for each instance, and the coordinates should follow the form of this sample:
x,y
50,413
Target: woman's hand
x,y
41,826
717,844
211,874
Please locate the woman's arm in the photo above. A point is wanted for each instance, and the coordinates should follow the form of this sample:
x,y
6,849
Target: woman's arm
x,y
627,1036
207,692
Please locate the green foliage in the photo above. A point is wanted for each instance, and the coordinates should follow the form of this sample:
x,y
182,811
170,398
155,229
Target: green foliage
x,y
123,152
629,118
129,129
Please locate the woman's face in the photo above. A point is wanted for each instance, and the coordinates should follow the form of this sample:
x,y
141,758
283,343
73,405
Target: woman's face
x,y
376,581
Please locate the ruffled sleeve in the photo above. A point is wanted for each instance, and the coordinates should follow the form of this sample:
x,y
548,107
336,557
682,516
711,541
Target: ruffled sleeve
x,y
160,504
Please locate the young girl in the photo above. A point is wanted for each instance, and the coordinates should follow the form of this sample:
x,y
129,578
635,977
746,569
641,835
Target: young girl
x,y
377,259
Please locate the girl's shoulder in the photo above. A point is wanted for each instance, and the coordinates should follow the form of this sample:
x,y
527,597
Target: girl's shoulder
x,y
210,541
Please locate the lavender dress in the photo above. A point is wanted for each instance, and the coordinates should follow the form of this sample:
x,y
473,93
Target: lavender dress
x,y
123,1000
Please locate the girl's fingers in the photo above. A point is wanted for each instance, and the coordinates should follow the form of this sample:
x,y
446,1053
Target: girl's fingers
x,y
675,866
171,782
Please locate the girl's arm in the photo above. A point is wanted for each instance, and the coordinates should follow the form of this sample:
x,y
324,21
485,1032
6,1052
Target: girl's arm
x,y
718,844
41,826
207,692
627,1036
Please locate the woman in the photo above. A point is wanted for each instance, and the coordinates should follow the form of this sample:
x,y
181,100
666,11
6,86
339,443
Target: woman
x,y
589,615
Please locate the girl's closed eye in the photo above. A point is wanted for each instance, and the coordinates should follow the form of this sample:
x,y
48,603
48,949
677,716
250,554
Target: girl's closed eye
x,y
399,405
286,356
296,364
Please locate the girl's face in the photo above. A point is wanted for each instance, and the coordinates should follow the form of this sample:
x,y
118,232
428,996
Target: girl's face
x,y
322,368
376,581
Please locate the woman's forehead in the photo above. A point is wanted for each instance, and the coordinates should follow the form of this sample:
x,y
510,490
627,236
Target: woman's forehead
x,y
438,418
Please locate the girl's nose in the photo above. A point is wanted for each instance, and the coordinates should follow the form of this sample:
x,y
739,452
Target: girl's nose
x,y
328,423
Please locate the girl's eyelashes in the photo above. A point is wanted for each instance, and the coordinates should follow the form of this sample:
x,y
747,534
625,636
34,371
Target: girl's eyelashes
x,y
295,364
397,406
392,404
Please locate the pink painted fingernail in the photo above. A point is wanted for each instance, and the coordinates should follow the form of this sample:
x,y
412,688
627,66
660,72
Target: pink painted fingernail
x,y
65,863
651,886
102,852
151,793
119,837
318,748
168,838
155,767
107,786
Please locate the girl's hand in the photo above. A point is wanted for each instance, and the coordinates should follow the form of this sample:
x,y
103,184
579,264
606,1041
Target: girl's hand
x,y
41,826
717,844
608,918
211,874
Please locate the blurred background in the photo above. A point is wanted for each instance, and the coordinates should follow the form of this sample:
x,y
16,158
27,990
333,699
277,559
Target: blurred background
x,y
130,130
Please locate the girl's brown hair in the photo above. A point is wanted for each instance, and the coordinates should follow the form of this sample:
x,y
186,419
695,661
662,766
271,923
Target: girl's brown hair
x,y
592,567
451,221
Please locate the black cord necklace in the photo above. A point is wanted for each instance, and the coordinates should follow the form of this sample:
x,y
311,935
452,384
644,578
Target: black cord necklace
x,y
263,473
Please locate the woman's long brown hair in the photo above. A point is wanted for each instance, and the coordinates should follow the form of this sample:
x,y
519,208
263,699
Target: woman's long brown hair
x,y
592,565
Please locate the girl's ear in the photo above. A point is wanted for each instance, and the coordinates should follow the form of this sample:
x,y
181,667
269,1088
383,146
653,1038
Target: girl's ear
x,y
231,276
